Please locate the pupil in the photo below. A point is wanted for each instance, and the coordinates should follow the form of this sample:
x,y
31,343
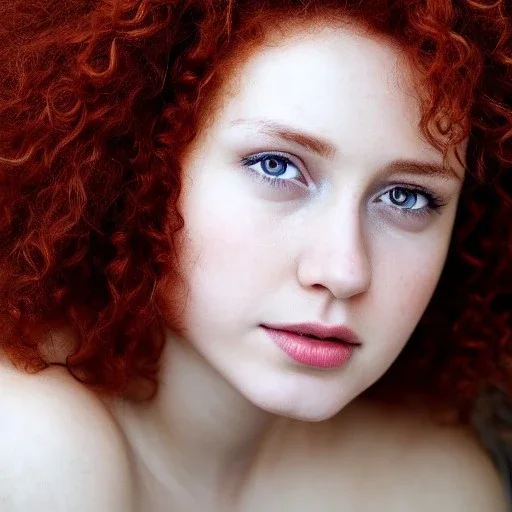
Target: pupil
x,y
399,195
274,166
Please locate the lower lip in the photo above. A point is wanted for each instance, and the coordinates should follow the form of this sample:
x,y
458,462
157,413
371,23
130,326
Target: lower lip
x,y
310,351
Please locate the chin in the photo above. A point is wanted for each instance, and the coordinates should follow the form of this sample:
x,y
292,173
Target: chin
x,y
307,409
313,415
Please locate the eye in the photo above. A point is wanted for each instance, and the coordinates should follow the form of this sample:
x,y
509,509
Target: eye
x,y
412,201
406,198
275,169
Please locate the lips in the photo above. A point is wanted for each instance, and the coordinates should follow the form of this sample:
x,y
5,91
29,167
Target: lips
x,y
318,337
335,333
311,336
312,351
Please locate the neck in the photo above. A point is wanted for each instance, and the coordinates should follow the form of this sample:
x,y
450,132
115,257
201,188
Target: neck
x,y
198,426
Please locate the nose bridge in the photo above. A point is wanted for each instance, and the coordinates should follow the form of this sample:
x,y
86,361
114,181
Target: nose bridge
x,y
335,253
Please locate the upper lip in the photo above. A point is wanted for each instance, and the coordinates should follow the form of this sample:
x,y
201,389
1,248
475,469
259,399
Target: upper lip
x,y
339,332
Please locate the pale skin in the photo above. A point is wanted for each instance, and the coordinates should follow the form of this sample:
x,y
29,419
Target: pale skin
x,y
237,425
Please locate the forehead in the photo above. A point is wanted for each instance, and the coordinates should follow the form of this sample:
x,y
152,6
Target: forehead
x,y
336,82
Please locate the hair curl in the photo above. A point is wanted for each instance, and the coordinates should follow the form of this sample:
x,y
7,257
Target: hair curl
x,y
100,98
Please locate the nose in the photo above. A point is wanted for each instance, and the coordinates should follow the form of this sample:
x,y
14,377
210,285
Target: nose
x,y
334,255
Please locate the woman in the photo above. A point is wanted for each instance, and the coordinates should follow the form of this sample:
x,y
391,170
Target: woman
x,y
222,222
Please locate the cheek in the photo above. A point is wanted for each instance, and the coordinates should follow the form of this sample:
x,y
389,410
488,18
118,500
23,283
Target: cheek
x,y
415,293
406,286
223,251
229,229
220,237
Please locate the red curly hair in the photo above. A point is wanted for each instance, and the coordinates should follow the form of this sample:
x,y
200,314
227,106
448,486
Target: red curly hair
x,y
99,99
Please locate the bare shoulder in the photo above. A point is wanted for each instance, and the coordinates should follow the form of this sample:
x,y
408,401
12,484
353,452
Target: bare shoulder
x,y
60,449
456,471
374,457
436,468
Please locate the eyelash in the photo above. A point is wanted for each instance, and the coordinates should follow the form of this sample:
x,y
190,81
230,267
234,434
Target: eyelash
x,y
435,203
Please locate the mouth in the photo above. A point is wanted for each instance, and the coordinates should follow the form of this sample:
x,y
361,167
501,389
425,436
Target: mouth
x,y
320,332
312,336
310,349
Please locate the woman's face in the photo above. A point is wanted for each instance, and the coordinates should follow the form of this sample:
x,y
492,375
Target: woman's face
x,y
347,233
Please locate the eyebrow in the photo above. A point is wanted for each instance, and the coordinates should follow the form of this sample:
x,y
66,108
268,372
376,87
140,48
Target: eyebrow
x,y
314,144
327,149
